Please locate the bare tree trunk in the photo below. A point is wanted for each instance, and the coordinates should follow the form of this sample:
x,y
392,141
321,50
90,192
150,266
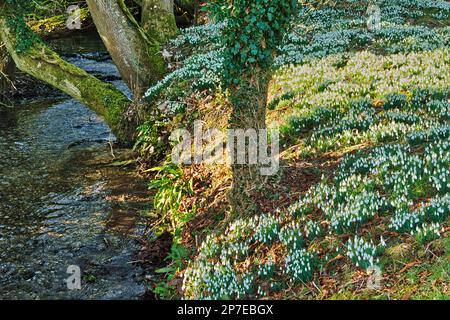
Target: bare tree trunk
x,y
136,55
44,64
249,101
158,19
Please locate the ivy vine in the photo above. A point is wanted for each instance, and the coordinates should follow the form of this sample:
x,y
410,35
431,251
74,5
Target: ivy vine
x,y
14,14
255,29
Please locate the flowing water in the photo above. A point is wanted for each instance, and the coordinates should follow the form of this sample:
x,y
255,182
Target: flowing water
x,y
63,203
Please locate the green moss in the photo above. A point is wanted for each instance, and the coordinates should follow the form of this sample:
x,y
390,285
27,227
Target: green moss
x,y
103,98
25,38
158,23
55,23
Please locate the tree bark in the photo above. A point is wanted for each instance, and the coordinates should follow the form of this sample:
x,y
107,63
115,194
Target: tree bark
x,y
187,5
6,72
44,64
137,56
158,19
249,100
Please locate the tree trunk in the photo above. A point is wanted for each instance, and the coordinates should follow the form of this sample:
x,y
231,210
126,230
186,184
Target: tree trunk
x,y
6,72
187,5
44,64
249,101
158,19
137,56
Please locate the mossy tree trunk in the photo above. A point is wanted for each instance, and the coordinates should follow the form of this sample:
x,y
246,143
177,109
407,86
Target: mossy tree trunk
x,y
249,100
44,64
158,19
136,53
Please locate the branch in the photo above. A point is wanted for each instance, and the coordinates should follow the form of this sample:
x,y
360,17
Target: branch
x,y
44,64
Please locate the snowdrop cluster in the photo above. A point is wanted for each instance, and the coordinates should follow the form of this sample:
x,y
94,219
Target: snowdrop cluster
x,y
350,200
210,281
344,209
291,236
302,207
438,210
439,108
200,36
405,221
357,210
334,30
342,114
417,138
403,117
385,127
267,228
437,158
308,118
216,272
266,270
213,274
225,283
436,132
408,5
300,264
204,70
346,202
395,100
427,232
398,175
313,229
395,168
351,122
362,253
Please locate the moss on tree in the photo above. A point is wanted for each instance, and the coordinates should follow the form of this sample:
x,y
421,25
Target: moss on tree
x,y
44,64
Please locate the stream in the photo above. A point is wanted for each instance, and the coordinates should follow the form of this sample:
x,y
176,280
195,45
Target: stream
x,y
63,202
